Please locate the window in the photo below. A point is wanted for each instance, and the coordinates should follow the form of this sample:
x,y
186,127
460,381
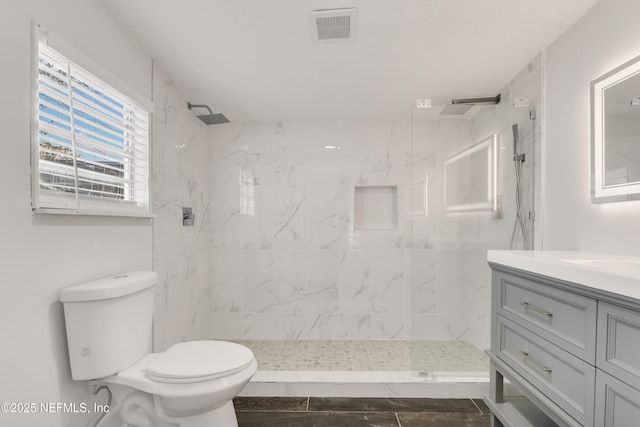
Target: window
x,y
90,142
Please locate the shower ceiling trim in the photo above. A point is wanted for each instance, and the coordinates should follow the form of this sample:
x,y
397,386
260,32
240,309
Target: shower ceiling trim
x,y
333,25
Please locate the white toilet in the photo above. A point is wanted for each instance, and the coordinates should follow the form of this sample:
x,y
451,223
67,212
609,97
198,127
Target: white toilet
x,y
109,331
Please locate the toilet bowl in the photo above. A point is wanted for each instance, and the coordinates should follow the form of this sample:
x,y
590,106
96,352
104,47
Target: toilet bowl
x,y
191,384
191,378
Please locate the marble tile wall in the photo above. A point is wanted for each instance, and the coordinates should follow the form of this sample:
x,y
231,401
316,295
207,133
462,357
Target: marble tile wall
x,y
288,261
181,254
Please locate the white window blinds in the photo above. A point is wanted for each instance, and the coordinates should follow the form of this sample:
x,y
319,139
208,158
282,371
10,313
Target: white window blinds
x,y
91,145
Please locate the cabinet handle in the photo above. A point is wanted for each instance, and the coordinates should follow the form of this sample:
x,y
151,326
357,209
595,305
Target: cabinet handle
x,y
534,308
535,363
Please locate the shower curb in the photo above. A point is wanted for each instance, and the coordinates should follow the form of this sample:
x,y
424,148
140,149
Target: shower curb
x,y
367,384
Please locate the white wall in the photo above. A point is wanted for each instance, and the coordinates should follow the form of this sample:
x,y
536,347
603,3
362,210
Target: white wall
x,y
605,37
40,255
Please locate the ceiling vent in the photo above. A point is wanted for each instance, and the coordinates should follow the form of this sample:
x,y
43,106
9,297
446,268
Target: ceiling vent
x,y
333,25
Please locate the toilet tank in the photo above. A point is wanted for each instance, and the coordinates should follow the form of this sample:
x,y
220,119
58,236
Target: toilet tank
x,y
109,323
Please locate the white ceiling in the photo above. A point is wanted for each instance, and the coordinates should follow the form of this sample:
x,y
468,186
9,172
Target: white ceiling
x,y
255,60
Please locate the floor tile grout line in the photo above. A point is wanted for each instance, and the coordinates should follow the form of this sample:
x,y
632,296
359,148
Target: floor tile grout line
x,y
476,405
398,419
326,411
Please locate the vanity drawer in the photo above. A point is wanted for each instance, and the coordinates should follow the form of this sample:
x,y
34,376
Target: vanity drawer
x,y
564,318
561,376
619,342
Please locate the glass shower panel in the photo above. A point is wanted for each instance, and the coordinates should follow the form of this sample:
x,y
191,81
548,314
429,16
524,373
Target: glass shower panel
x,y
449,277
425,201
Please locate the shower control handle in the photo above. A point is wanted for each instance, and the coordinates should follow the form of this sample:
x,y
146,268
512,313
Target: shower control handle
x,y
534,308
535,363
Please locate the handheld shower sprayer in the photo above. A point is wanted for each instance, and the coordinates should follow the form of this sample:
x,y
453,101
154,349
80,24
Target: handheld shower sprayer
x,y
516,142
518,158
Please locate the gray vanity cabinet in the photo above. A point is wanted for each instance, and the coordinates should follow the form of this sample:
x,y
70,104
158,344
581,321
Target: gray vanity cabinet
x,y
571,354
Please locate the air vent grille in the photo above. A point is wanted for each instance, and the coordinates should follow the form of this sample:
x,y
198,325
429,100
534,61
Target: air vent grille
x,y
333,24
334,27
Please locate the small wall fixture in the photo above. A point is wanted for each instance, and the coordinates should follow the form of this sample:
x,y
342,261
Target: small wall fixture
x,y
188,217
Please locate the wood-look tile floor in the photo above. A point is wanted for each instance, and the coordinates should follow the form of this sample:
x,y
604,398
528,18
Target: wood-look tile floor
x,y
359,412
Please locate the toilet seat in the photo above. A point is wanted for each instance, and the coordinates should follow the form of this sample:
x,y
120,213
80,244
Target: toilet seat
x,y
137,375
197,361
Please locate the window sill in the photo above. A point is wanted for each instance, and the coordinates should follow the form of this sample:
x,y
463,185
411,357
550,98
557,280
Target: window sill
x,y
40,211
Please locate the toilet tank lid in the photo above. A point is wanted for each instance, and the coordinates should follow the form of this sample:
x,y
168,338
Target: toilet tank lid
x,y
110,287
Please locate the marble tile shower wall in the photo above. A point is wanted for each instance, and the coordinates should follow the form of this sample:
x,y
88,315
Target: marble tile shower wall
x,y
181,254
288,261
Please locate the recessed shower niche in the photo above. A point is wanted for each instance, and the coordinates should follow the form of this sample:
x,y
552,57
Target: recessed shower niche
x,y
376,207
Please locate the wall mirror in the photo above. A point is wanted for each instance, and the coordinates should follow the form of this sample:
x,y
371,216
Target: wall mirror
x,y
470,178
615,134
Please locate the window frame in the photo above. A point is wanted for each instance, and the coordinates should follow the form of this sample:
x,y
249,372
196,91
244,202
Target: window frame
x,y
122,186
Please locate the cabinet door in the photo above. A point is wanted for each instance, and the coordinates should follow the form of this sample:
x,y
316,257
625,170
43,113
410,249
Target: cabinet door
x,y
618,337
617,404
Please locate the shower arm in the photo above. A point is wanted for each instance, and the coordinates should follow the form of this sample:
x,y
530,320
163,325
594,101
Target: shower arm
x,y
478,101
190,106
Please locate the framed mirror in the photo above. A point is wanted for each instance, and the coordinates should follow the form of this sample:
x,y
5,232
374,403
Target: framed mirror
x,y
470,178
615,134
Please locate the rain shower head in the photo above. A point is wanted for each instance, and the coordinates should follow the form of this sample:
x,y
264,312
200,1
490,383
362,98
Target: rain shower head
x,y
211,118
478,101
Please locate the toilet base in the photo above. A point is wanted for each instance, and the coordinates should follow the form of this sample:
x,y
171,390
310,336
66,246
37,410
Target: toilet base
x,y
224,416
140,409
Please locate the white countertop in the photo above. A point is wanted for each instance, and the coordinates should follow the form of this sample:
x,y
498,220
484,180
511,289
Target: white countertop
x,y
615,274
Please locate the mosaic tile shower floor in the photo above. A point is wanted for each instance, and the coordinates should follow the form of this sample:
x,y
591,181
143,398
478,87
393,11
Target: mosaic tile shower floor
x,y
428,356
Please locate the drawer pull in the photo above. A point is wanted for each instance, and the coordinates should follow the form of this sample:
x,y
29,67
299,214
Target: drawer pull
x,y
535,363
534,308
